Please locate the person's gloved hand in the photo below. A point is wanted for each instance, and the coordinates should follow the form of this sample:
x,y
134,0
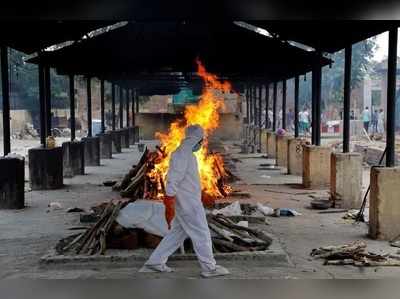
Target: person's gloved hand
x,y
169,202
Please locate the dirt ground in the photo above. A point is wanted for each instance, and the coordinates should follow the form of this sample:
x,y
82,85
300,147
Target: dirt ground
x,y
28,234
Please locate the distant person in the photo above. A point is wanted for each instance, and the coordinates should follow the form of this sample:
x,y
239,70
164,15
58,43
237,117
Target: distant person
x,y
270,117
304,121
381,122
374,121
352,115
290,119
366,117
280,119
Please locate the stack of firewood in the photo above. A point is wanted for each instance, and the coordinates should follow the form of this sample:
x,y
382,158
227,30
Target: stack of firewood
x,y
230,237
353,254
93,240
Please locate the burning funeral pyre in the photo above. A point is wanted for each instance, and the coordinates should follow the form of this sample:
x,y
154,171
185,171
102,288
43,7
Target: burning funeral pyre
x,y
147,179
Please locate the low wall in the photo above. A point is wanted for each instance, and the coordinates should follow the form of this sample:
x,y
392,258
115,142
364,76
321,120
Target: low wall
x,y
150,123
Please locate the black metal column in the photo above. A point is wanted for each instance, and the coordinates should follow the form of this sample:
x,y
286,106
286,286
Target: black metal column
x,y
316,104
346,99
296,106
72,105
127,107
121,107
266,105
247,95
103,127
137,101
47,84
133,107
5,84
275,95
391,99
284,104
260,106
113,105
89,105
42,105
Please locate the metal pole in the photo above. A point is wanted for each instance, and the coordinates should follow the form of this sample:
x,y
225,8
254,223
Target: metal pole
x,y
113,105
284,104
313,108
275,94
266,105
121,108
89,105
72,105
296,106
6,100
103,127
42,105
47,81
137,102
133,108
127,107
391,99
247,105
318,106
259,106
346,99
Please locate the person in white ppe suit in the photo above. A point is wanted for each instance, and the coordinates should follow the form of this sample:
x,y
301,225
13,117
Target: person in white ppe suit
x,y
183,183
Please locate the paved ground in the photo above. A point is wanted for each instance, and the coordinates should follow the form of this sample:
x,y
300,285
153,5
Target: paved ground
x,y
26,235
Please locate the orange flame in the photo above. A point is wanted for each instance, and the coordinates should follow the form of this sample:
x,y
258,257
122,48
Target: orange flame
x,y
206,114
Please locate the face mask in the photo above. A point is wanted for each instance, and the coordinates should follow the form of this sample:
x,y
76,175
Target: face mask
x,y
196,147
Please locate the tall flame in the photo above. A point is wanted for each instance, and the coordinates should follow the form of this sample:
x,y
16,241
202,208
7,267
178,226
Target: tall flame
x,y
206,114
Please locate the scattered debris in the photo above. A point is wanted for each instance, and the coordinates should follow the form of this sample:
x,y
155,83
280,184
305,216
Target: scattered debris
x,y
333,211
354,213
321,204
109,183
395,242
89,218
233,209
75,210
265,210
285,212
53,206
353,254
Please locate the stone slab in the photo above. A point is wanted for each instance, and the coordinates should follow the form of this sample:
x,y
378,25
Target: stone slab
x,y
384,203
346,180
282,147
295,156
125,138
73,158
105,145
271,145
92,151
316,166
45,168
116,141
12,183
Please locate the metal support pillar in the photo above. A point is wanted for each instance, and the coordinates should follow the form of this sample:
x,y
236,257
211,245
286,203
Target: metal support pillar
x,y
121,108
260,106
316,103
391,99
113,106
247,95
5,84
284,104
127,107
42,106
89,105
275,95
47,84
103,127
133,107
137,102
72,105
296,106
266,106
346,99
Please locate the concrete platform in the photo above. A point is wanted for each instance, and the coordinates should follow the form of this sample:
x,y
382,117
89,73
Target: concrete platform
x,y
105,145
92,151
131,135
316,166
45,168
73,158
125,138
295,156
271,144
282,149
12,183
275,256
116,141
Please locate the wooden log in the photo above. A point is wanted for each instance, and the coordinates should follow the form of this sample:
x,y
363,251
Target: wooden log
x,y
220,232
230,245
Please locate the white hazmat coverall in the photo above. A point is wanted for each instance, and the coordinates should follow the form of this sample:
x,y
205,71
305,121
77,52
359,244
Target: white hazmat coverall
x,y
183,182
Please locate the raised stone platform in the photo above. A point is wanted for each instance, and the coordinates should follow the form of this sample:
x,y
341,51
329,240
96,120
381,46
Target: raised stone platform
x,y
73,158
271,145
45,168
316,166
12,183
116,141
131,135
105,145
282,148
274,256
125,138
92,151
295,156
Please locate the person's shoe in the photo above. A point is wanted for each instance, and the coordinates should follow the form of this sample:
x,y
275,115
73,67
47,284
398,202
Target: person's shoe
x,y
156,269
218,271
